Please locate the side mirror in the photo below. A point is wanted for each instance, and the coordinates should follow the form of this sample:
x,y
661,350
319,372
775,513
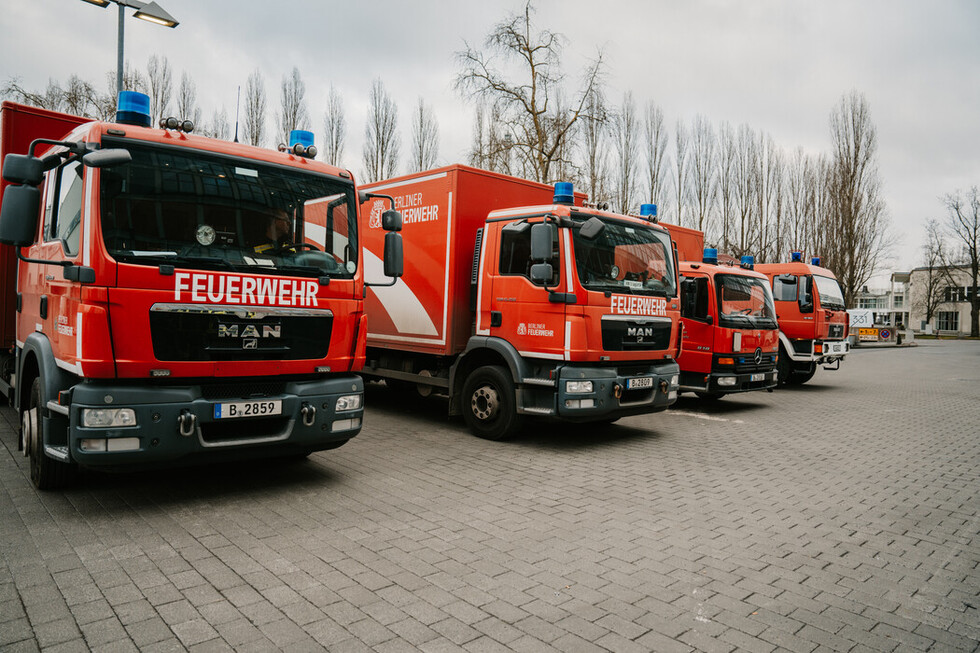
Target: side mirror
x,y
393,257
592,228
541,273
709,319
542,237
106,158
391,220
19,214
688,299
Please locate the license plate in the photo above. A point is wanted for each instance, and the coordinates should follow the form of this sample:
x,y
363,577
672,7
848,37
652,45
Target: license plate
x,y
639,382
232,409
758,377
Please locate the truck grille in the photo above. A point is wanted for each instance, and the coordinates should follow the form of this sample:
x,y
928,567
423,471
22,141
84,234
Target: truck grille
x,y
201,334
747,363
640,335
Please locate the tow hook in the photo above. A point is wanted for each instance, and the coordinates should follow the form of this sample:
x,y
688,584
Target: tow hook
x,y
664,387
617,390
309,414
187,423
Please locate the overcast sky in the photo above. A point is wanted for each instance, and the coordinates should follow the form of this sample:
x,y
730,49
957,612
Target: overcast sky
x,y
779,65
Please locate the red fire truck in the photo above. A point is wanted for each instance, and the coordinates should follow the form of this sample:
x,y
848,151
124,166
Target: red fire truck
x,y
812,317
730,331
518,301
175,298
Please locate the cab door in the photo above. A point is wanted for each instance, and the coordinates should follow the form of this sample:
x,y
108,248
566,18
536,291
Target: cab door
x,y
529,315
697,313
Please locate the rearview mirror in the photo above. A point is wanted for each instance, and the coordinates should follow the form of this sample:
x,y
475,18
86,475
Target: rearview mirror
x,y
541,242
106,158
19,214
393,257
592,229
23,169
391,220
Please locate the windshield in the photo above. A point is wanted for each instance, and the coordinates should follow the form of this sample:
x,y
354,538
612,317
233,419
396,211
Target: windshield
x,y
194,209
744,302
829,292
627,259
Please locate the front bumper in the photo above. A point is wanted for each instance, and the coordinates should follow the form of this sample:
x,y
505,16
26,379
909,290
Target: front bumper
x,y
725,382
615,391
180,423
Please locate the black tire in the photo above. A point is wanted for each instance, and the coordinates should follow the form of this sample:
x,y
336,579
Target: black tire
x,y
46,473
799,377
710,396
489,403
784,367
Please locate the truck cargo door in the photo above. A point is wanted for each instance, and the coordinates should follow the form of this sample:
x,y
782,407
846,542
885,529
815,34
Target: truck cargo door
x,y
524,313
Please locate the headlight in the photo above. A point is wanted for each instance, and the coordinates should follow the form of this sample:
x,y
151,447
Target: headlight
x,y
348,402
726,381
104,418
578,387
675,380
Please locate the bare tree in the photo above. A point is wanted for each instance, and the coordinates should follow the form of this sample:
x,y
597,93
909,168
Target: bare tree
x,y
681,147
532,109
159,79
253,128
936,269
218,126
963,223
187,108
292,106
381,142
727,154
655,147
703,177
51,97
743,227
625,146
594,144
425,138
858,218
334,128
768,198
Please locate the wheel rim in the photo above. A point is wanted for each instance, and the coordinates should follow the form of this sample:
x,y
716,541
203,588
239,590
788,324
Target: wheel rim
x,y
485,402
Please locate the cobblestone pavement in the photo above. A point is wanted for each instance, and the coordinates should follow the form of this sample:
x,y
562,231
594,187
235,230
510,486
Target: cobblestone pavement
x,y
840,516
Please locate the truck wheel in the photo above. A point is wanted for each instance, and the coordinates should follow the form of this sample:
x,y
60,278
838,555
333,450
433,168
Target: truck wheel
x,y
800,377
490,403
46,473
784,367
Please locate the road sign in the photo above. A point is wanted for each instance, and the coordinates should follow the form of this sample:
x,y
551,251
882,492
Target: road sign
x,y
885,334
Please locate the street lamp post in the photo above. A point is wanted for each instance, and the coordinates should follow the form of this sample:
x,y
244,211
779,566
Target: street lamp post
x,y
148,11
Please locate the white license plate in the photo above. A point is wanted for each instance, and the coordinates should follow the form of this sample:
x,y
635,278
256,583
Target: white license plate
x,y
639,382
231,409
758,377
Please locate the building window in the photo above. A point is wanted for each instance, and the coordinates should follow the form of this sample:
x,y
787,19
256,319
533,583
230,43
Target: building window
x,y
899,301
954,294
948,321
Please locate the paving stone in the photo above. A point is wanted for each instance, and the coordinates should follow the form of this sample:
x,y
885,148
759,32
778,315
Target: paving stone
x,y
763,522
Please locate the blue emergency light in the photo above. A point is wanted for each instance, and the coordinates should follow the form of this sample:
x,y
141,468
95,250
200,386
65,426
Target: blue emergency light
x,y
648,211
748,262
564,193
710,256
815,260
796,257
133,108
301,143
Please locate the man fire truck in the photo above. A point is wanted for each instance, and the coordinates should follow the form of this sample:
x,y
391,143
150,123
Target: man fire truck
x,y
517,301
730,331
812,317
141,326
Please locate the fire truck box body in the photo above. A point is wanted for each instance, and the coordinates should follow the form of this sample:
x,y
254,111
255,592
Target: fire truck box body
x,y
730,336
813,320
467,320
148,328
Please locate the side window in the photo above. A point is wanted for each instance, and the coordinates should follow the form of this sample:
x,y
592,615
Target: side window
x,y
50,190
695,304
784,290
515,253
64,221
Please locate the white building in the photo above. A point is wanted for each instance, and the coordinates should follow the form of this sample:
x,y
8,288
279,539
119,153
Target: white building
x,y
952,312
